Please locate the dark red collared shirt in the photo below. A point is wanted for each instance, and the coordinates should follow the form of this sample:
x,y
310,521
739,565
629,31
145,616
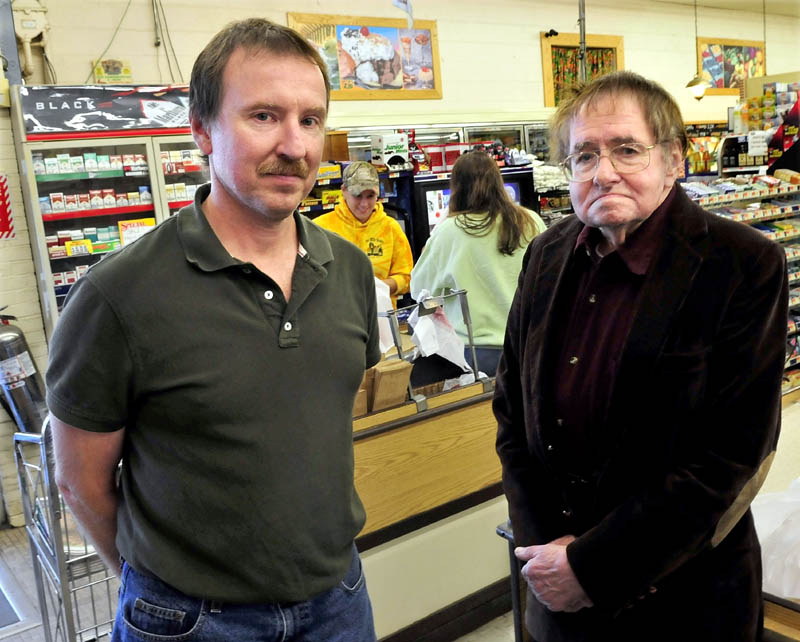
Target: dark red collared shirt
x,y
595,309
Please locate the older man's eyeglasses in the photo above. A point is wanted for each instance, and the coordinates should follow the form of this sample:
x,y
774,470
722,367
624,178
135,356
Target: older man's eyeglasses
x,y
627,158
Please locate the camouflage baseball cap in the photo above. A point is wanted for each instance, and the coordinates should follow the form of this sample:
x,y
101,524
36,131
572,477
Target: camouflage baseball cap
x,y
359,176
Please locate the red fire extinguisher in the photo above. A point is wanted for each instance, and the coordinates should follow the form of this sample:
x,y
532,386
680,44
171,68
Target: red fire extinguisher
x,y
20,381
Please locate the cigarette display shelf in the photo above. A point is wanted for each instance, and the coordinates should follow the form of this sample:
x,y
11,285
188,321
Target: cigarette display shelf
x,y
81,176
105,211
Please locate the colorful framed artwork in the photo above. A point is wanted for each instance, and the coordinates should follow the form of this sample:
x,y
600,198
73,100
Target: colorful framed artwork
x,y
727,64
375,58
604,54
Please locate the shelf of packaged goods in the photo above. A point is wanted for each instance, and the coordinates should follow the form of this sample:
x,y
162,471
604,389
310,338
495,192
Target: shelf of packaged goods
x,y
328,181
794,278
746,195
79,256
763,214
794,301
106,211
193,170
793,361
176,205
781,236
744,168
82,176
556,210
325,207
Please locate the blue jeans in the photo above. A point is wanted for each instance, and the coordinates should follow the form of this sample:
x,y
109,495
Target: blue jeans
x,y
150,610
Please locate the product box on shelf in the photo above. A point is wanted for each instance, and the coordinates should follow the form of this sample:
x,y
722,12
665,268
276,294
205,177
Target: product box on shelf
x,y
387,146
328,171
90,161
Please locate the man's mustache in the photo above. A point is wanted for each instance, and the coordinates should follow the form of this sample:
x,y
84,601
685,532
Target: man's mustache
x,y
284,168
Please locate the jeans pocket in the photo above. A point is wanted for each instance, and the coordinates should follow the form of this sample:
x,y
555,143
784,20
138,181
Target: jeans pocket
x,y
152,610
354,578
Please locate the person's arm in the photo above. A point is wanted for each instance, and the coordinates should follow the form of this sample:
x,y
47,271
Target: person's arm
x,y
399,277
86,466
428,272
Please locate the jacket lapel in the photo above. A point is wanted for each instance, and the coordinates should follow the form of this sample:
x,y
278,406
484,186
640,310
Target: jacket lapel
x,y
554,260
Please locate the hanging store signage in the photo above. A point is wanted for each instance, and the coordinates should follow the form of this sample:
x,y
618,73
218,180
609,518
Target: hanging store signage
x,y
52,112
6,217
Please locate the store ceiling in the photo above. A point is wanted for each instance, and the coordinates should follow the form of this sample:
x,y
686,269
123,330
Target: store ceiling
x,y
772,7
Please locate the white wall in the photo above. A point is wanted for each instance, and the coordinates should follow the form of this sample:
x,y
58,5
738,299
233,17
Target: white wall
x,y
490,53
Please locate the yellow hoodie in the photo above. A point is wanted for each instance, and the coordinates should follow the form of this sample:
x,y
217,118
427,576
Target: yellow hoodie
x,y
381,239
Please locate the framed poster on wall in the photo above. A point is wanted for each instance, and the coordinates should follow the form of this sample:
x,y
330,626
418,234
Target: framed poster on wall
x,y
604,54
727,64
375,58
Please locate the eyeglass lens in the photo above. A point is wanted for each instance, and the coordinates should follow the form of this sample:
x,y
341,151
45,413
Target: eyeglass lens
x,y
626,158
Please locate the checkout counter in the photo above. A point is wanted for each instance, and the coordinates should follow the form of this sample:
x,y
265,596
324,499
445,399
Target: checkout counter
x,y
430,480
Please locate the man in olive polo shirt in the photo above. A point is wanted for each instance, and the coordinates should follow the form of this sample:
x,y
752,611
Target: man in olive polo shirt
x,y
218,358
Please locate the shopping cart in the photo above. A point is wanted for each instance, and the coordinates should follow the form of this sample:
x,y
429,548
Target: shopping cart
x,y
77,595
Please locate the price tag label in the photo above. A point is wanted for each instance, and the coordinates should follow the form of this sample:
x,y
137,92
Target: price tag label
x,y
757,143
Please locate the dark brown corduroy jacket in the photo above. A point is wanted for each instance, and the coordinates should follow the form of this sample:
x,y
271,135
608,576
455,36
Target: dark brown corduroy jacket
x,y
666,547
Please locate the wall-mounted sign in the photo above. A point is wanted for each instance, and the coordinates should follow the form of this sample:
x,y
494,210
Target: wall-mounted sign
x,y
54,111
113,72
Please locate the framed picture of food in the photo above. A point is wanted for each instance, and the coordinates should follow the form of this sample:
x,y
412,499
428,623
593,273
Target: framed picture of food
x,y
374,58
604,54
727,64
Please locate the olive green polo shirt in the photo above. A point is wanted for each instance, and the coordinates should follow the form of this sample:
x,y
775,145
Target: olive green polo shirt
x,y
237,478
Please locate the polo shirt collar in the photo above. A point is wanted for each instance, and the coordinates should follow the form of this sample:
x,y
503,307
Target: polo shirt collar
x,y
202,247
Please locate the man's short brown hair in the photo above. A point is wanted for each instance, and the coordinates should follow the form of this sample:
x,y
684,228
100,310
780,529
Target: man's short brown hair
x,y
252,34
661,112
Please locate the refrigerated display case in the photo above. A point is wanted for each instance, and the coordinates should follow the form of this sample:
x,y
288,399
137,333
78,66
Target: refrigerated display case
x,y
92,175
359,139
537,136
510,135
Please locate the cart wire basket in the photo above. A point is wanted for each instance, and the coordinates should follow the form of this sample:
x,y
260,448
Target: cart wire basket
x,y
77,594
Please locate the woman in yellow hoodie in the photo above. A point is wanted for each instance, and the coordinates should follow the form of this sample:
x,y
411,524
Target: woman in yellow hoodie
x,y
360,218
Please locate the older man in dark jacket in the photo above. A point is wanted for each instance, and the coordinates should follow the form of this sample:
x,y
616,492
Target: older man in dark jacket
x,y
638,396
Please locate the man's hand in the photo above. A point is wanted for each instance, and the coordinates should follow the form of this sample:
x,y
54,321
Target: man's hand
x,y
548,573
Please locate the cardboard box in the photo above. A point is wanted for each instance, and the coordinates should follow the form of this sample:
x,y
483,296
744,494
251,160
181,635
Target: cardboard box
x,y
387,146
336,147
361,403
390,383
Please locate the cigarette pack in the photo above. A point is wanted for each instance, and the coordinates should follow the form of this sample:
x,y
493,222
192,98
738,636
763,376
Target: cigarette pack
x,y
122,199
51,165
103,163
115,161
77,163
90,161
64,164
84,203
109,199
57,201
95,198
